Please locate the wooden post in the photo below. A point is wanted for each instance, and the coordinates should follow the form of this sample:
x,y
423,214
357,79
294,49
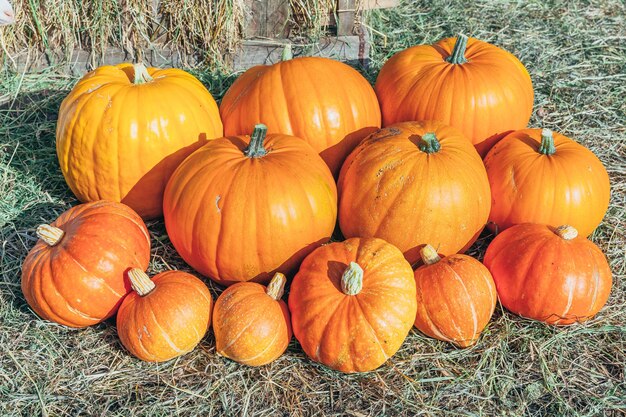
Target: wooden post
x,y
268,19
346,13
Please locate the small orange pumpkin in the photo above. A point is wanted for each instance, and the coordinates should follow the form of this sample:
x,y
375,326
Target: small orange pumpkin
x,y
164,317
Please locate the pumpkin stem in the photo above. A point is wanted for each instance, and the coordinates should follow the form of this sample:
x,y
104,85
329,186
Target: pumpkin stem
x,y
429,144
255,149
49,234
458,53
141,74
352,279
140,281
287,53
566,232
429,255
547,143
276,287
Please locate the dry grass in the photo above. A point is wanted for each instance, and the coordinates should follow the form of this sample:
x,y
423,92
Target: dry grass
x,y
576,54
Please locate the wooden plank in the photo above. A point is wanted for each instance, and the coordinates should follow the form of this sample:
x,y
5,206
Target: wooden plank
x,y
346,14
379,4
267,18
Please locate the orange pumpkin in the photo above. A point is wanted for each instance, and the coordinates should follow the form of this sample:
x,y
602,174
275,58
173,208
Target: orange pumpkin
x,y
164,317
124,129
74,275
547,274
456,297
241,213
537,176
353,303
474,86
415,183
325,102
251,323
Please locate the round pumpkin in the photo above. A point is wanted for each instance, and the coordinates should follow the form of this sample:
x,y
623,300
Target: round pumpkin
x,y
474,86
547,274
325,102
251,323
456,297
537,176
353,303
123,130
241,209
74,275
164,317
414,183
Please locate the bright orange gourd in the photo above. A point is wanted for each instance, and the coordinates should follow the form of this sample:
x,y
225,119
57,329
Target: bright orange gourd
x,y
74,275
415,183
353,303
456,297
547,274
251,323
474,86
537,176
241,213
124,129
325,102
164,317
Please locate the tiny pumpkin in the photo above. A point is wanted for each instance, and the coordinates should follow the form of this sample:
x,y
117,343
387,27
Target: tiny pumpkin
x,y
251,323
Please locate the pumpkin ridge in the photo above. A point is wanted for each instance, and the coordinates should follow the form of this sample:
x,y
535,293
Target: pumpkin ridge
x,y
242,300
470,303
264,351
165,335
432,325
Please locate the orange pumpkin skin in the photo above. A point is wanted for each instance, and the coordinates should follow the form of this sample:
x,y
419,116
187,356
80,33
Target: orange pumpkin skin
x,y
545,274
569,186
251,323
79,281
485,97
325,102
164,317
353,331
456,297
237,218
391,189
120,138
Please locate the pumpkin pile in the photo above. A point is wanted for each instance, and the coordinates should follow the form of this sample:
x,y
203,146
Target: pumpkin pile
x,y
304,151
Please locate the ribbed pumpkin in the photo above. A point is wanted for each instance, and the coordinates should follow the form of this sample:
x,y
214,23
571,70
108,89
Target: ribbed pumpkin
x,y
164,317
456,297
474,86
325,102
251,323
414,183
353,303
74,275
547,274
537,176
241,213
124,129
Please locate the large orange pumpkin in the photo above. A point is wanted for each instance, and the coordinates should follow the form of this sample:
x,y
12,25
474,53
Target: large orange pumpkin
x,y
547,274
124,129
456,297
164,317
415,183
325,102
251,323
74,275
353,303
474,86
537,176
238,212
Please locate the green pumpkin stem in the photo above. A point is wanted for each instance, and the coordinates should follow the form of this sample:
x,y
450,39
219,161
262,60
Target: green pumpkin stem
x,y
429,144
256,149
287,53
352,279
458,53
141,74
547,143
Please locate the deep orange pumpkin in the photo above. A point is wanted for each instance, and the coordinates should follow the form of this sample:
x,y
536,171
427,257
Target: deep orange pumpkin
x,y
537,176
124,129
456,297
325,102
353,303
415,183
74,275
251,323
547,274
164,317
474,86
241,213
